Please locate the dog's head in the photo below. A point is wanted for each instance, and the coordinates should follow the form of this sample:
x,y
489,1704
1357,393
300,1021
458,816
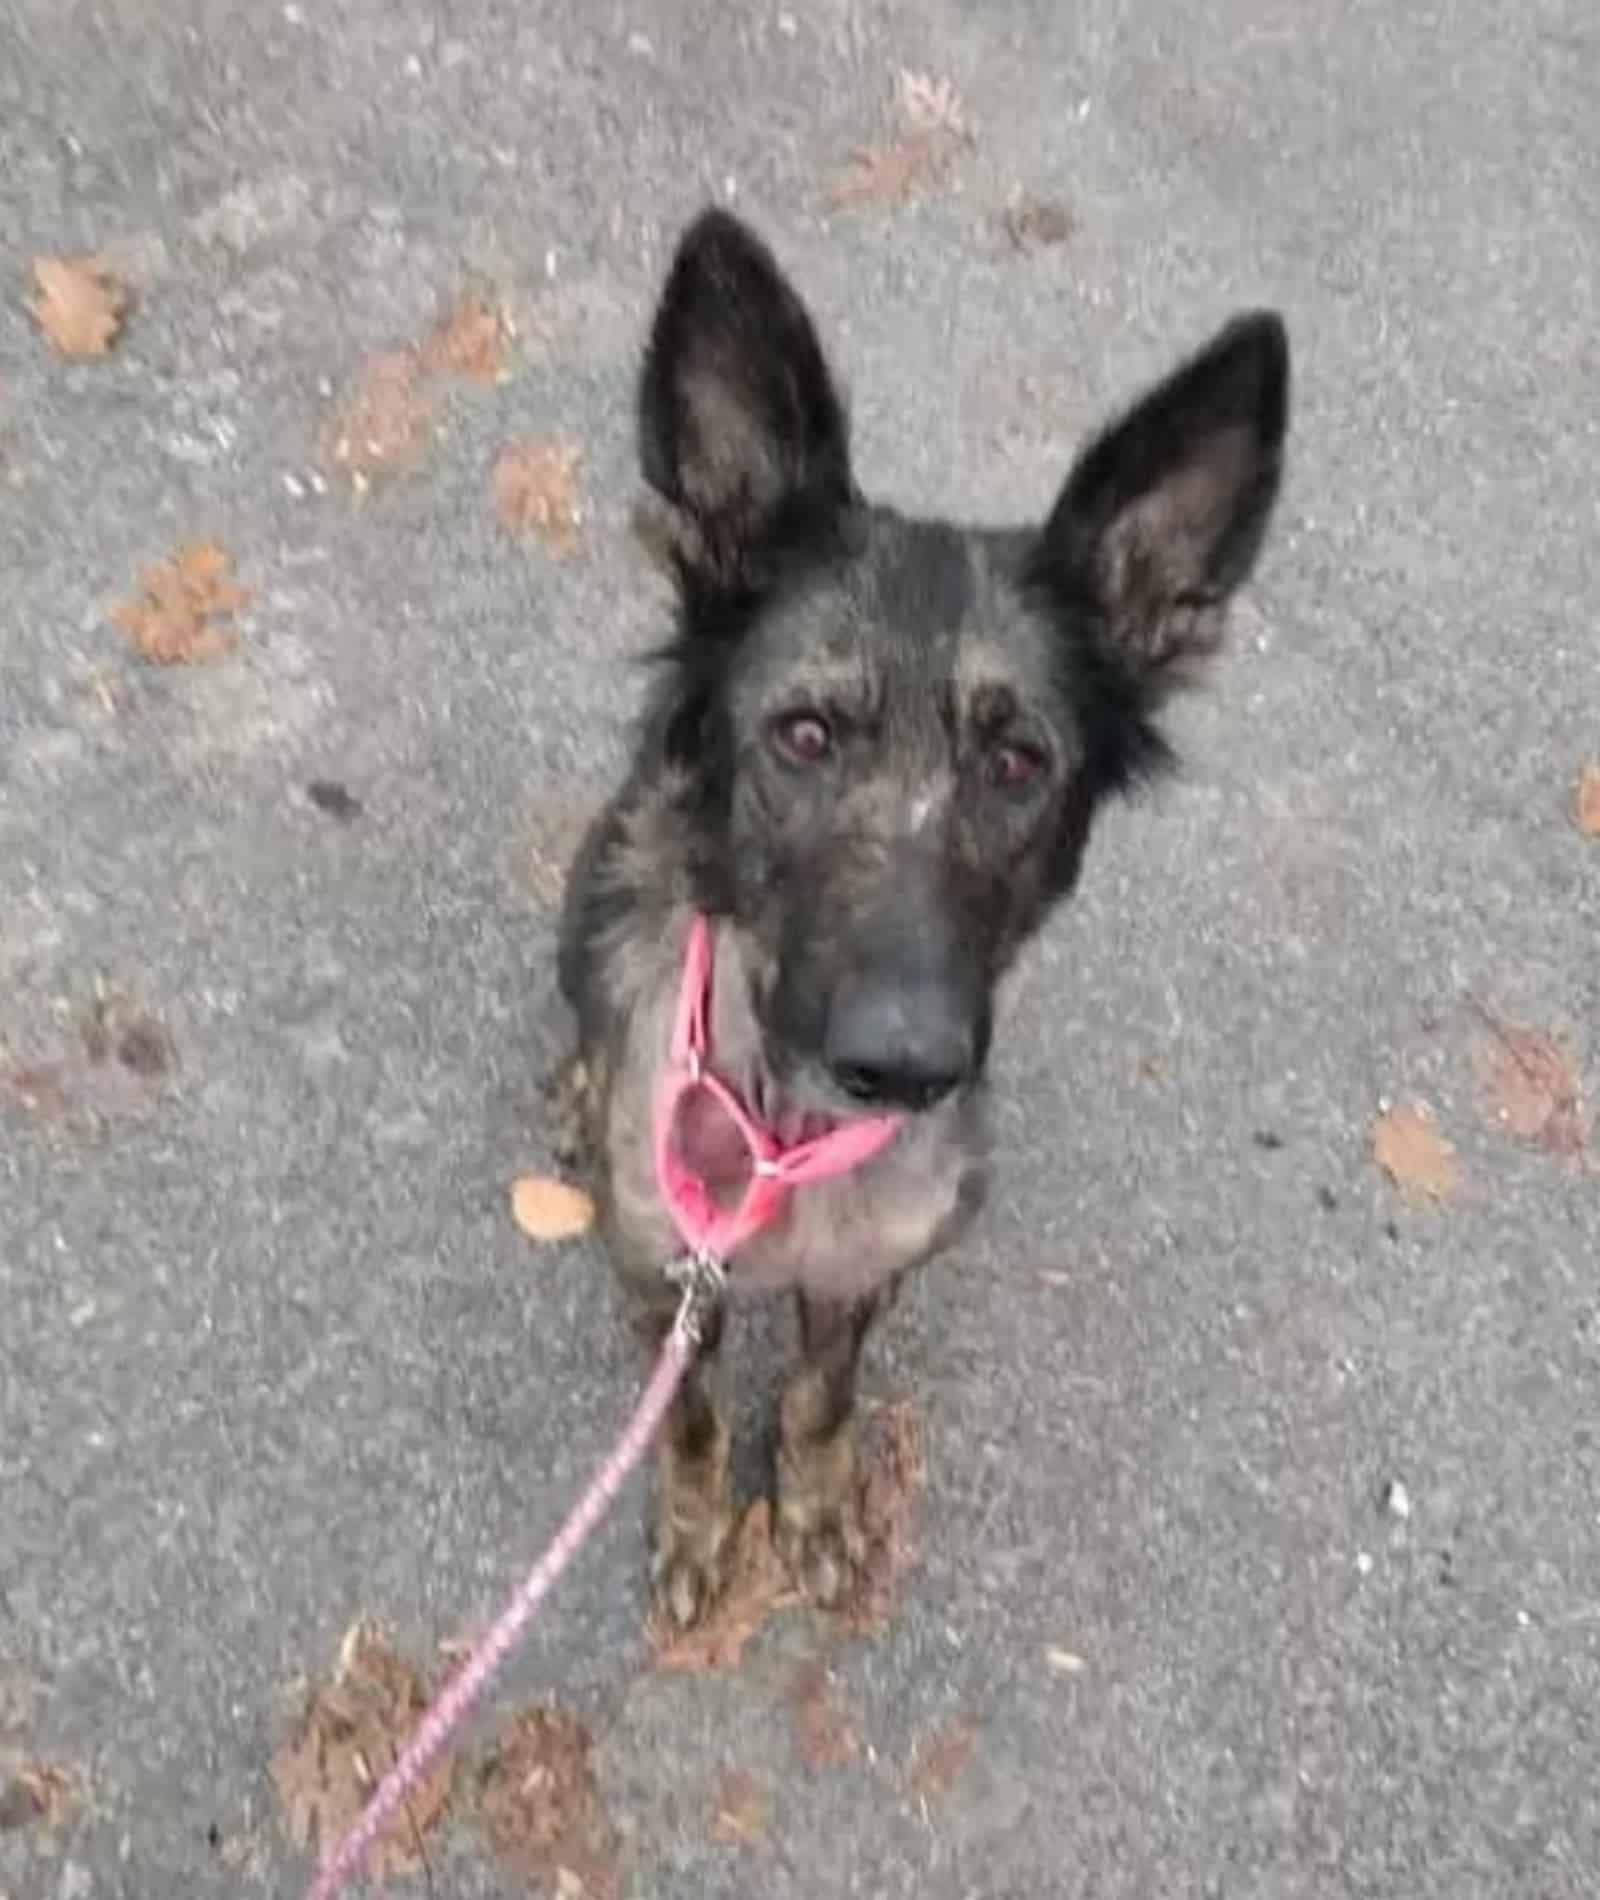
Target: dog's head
x,y
897,731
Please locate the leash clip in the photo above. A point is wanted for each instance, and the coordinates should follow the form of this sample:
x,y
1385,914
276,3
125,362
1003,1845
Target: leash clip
x,y
702,1277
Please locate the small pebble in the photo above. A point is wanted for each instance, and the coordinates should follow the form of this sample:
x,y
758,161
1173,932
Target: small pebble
x,y
1364,1562
1397,1500
330,796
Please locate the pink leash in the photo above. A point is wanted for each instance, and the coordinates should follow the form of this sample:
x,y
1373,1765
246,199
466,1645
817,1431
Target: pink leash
x,y
451,1708
710,1234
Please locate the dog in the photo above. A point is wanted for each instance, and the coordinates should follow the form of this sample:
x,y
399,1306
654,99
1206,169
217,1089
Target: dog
x,y
866,775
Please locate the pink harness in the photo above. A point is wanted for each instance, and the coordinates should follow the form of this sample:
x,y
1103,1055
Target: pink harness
x,y
708,1228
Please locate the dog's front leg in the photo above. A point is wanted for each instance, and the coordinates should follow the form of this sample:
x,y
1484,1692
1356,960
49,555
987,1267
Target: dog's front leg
x,y
694,1507
819,1530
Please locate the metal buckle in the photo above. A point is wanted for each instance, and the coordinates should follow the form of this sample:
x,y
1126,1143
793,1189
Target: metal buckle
x,y
702,1278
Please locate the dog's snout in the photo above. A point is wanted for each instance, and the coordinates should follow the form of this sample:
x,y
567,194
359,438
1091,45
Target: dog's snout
x,y
899,1045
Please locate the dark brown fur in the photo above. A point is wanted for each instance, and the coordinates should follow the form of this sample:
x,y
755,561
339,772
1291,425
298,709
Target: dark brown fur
x,y
872,759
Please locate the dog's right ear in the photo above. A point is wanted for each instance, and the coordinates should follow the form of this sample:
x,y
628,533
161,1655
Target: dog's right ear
x,y
740,428
1163,517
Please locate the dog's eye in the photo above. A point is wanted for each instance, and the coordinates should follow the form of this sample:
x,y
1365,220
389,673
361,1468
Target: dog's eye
x,y
1012,767
802,737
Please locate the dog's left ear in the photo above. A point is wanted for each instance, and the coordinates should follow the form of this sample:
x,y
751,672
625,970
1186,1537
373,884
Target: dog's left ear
x,y
1163,516
740,428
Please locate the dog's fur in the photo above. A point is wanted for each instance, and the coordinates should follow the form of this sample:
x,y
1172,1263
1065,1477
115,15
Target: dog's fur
x,y
872,759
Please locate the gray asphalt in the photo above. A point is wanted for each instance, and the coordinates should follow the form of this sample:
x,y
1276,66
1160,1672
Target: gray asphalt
x,y
274,1354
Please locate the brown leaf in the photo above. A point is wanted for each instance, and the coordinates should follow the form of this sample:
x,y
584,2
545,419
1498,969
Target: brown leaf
x,y
469,341
1407,1145
175,619
80,305
535,492
941,1759
381,427
825,1736
350,1736
540,1806
894,1457
548,1209
931,131
758,1586
1588,800
928,104
38,1087
1531,1085
893,171
741,1812
1033,223
114,1066
34,1794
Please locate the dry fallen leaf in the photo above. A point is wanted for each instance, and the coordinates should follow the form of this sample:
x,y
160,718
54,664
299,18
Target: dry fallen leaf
x,y
928,104
892,172
382,426
114,1067
825,1736
918,156
758,1586
175,620
80,305
535,492
112,1027
1588,804
548,1209
34,1794
38,1087
1033,223
1407,1145
350,1735
469,341
1531,1085
540,1806
941,1758
741,1812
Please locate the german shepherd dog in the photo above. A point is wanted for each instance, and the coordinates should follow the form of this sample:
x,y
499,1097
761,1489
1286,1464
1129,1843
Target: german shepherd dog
x,y
871,763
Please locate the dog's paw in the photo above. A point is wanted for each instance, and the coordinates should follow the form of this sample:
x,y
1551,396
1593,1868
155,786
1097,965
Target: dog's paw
x,y
688,1568
823,1547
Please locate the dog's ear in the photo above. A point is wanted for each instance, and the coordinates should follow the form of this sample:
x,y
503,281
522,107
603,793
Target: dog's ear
x,y
1164,514
740,428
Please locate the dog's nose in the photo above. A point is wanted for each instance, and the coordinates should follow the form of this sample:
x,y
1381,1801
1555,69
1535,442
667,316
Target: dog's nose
x,y
897,1045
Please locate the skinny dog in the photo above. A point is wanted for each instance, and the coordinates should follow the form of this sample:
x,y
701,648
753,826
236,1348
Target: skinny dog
x,y
867,773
